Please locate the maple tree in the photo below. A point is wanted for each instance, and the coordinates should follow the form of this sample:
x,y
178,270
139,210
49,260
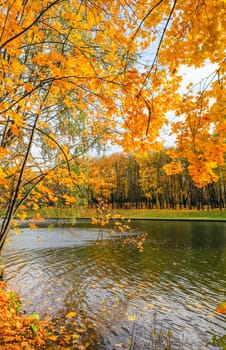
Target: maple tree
x,y
79,73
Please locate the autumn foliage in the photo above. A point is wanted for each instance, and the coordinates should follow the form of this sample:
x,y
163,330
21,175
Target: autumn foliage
x,y
75,75
28,332
141,181
18,332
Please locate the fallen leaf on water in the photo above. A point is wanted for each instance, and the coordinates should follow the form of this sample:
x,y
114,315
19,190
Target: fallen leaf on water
x,y
221,309
71,314
131,318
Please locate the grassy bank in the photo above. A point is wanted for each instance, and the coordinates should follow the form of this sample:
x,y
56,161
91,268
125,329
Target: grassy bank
x,y
50,212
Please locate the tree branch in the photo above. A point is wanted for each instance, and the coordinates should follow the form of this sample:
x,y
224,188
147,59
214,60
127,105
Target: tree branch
x,y
30,25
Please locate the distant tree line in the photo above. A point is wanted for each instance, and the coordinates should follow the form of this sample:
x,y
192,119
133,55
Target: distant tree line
x,y
126,182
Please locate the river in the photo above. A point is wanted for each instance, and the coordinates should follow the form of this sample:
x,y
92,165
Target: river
x,y
175,284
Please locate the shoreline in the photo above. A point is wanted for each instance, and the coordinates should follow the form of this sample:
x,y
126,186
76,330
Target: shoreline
x,y
67,221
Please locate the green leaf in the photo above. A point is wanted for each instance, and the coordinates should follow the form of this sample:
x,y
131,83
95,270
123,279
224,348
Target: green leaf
x,y
50,228
34,328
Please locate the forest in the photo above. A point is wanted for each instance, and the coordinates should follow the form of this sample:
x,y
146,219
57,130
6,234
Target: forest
x,y
127,182
136,182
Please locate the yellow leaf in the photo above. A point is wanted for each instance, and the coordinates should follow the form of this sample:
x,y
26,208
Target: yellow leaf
x,y
17,230
151,305
80,330
8,242
22,216
71,314
53,337
131,318
75,336
32,226
2,179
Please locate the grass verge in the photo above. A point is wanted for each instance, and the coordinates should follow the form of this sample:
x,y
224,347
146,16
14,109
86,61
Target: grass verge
x,y
51,212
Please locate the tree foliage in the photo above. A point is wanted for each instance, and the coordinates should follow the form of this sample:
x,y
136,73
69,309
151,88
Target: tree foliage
x,y
141,182
79,73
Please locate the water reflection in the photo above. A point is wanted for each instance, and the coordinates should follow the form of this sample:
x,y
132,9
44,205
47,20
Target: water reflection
x,y
180,276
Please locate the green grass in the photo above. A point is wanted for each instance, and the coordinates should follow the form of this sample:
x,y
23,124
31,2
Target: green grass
x,y
49,212
174,214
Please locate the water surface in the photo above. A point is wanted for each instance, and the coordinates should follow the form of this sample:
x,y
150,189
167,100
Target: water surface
x,y
175,283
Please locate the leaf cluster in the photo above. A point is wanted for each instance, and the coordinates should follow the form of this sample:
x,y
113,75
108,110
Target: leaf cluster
x,y
16,331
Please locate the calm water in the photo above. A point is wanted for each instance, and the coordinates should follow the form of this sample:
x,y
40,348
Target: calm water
x,y
176,283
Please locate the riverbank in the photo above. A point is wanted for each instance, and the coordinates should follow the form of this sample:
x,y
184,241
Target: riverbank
x,y
17,331
147,214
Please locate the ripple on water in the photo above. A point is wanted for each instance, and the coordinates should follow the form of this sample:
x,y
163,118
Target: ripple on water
x,y
111,286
